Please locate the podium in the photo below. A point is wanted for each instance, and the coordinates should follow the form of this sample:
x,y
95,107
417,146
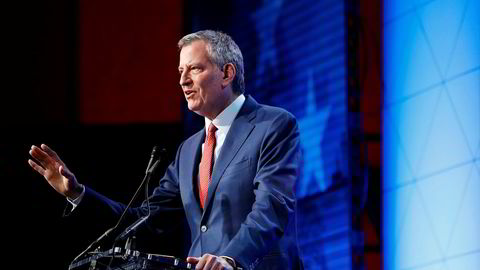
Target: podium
x,y
127,259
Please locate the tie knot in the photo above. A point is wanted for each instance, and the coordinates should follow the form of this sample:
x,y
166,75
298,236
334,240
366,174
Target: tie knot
x,y
212,128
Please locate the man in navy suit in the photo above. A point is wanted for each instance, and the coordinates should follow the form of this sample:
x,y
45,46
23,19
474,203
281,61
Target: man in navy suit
x,y
233,180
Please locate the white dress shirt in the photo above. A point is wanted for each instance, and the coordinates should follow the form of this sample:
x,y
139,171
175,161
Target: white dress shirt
x,y
223,122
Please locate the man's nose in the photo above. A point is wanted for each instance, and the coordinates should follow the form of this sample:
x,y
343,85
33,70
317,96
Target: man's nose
x,y
185,79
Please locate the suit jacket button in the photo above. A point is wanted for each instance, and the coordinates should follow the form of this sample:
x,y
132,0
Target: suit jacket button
x,y
203,228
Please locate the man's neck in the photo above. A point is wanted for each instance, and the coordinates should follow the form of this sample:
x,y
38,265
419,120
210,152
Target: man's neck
x,y
224,106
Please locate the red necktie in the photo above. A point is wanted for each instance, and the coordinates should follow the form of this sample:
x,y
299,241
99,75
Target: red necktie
x,y
206,164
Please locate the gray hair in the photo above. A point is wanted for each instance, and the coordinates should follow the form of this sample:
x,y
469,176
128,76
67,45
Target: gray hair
x,y
221,50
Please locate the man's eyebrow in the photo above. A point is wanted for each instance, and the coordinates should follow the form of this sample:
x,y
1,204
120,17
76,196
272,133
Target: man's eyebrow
x,y
189,65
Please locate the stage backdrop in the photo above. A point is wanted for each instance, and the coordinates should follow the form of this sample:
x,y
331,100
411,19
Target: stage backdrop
x,y
431,150
127,62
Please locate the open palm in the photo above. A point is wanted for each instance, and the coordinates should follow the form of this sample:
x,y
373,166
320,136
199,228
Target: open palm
x,y
47,163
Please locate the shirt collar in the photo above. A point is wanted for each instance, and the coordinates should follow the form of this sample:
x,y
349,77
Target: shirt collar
x,y
224,120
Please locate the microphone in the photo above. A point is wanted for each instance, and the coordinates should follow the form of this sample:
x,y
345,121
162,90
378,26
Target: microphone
x,y
132,228
155,158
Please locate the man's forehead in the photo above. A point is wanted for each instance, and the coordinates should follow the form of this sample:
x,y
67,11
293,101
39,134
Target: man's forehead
x,y
195,51
195,46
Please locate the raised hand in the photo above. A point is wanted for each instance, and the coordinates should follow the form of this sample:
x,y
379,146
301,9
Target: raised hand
x,y
47,163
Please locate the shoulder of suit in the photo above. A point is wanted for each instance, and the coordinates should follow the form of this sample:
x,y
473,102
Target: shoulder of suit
x,y
267,111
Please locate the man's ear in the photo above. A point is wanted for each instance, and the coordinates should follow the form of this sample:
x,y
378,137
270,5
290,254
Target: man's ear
x,y
229,73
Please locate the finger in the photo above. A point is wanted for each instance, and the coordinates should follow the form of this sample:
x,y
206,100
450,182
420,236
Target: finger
x,y
215,264
201,263
218,266
36,167
50,152
47,149
192,259
43,158
210,263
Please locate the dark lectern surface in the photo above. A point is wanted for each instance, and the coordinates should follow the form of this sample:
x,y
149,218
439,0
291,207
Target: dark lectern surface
x,y
127,259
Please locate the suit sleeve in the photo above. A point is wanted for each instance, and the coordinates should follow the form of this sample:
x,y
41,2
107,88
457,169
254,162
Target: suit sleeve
x,y
274,194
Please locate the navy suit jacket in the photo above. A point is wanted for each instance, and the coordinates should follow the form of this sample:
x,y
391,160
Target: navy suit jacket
x,y
249,212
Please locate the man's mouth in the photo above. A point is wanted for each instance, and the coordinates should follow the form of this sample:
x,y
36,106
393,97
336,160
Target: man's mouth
x,y
188,93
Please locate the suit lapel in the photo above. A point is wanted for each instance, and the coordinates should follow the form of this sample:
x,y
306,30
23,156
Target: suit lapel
x,y
196,147
236,137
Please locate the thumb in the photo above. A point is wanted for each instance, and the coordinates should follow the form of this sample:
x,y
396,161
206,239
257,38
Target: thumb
x,y
65,172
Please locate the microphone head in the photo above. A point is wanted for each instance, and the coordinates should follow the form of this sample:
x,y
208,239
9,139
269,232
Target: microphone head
x,y
155,151
156,155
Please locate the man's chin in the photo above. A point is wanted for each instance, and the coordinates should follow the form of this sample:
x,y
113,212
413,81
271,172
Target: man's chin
x,y
194,108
